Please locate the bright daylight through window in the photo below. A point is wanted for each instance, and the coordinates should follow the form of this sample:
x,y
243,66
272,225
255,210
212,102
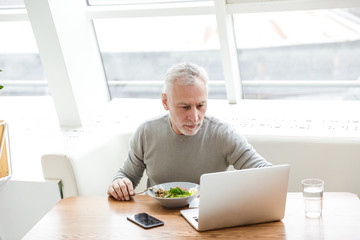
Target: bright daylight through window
x,y
308,54
300,54
137,52
22,73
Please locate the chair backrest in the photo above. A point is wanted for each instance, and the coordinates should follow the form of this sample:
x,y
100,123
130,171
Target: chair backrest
x,y
335,160
90,169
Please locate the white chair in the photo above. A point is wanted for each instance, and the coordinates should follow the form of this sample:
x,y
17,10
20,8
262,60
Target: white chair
x,y
90,168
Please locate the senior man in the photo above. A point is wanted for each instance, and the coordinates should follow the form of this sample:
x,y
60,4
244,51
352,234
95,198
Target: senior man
x,y
184,143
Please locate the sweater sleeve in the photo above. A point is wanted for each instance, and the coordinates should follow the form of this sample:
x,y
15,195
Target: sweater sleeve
x,y
134,165
239,152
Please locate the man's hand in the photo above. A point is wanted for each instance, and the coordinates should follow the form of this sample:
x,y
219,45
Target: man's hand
x,y
121,189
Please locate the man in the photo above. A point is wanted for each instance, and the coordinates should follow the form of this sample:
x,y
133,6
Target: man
x,y
185,143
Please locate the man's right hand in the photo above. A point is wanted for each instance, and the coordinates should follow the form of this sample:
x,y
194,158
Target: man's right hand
x,y
121,189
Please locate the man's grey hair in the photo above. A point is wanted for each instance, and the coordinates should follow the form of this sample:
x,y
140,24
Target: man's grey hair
x,y
184,74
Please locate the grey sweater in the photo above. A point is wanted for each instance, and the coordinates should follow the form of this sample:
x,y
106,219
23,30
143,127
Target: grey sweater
x,y
168,157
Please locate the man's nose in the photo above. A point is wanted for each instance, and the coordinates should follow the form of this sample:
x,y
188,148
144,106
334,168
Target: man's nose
x,y
193,114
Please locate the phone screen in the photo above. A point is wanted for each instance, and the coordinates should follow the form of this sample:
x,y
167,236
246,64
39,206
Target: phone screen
x,y
145,220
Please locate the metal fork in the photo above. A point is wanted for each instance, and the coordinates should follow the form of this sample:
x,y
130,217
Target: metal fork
x,y
141,192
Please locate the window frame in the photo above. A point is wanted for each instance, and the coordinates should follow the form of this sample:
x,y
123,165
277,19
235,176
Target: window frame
x,y
224,11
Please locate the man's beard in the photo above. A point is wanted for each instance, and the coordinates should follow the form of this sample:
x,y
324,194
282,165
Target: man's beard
x,y
190,132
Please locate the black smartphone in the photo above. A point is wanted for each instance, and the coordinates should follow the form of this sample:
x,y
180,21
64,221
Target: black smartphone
x,y
145,220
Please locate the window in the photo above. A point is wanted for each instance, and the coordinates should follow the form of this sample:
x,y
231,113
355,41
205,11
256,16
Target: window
x,y
22,73
111,2
136,52
309,55
8,4
290,54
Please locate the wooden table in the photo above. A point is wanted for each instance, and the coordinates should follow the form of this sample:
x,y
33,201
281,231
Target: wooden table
x,y
105,218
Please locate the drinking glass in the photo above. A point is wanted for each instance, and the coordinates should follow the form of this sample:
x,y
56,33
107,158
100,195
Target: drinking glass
x,y
313,190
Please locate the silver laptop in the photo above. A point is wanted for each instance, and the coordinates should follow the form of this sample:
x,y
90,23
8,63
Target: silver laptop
x,y
241,197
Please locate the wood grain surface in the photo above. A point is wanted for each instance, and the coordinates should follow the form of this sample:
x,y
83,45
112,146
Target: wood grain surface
x,y
105,218
4,165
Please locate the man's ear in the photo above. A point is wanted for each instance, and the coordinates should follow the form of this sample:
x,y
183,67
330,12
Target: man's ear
x,y
164,101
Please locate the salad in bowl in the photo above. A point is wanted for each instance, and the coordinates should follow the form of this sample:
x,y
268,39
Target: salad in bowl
x,y
174,194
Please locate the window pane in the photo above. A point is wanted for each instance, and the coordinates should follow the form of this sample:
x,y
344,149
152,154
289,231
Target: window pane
x,y
319,45
142,49
108,2
12,4
22,72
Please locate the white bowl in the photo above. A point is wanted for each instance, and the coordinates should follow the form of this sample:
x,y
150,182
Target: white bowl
x,y
174,202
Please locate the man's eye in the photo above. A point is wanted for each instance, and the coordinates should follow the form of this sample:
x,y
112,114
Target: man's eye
x,y
187,107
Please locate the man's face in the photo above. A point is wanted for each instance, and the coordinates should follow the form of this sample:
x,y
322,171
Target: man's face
x,y
187,106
